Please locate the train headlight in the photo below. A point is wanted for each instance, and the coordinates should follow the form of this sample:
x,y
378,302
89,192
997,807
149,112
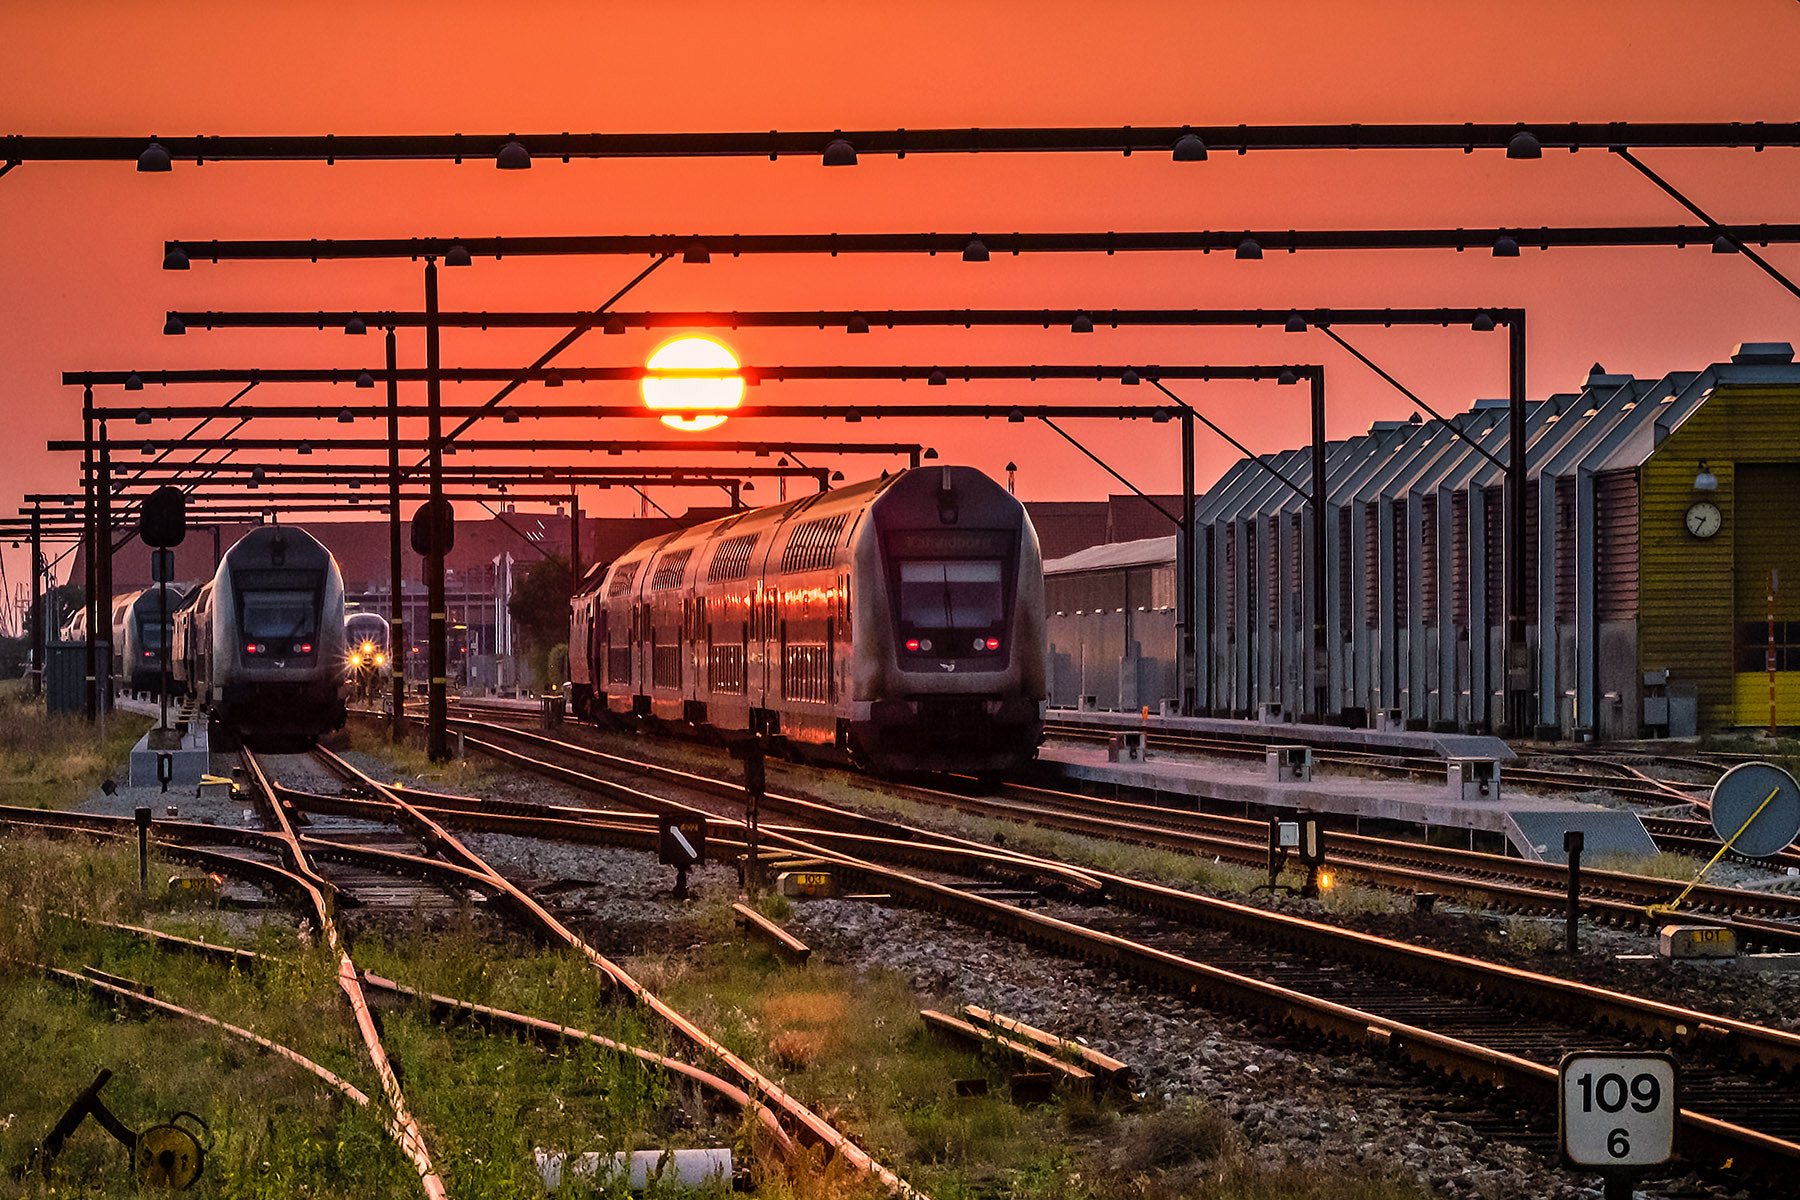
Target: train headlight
x,y
356,660
381,660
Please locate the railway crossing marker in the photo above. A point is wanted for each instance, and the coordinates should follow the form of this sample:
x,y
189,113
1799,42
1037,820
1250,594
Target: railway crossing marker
x,y
1755,811
1616,1114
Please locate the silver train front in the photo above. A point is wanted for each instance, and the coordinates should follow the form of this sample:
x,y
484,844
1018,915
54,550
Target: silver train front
x,y
262,645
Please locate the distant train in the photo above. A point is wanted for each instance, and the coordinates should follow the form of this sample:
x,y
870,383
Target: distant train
x,y
369,645
137,636
896,624
262,645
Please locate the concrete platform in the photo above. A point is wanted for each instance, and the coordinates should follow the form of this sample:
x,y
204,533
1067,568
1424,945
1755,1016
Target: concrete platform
x,y
1444,745
190,762
1531,824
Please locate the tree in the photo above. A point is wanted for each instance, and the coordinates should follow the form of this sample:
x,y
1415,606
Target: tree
x,y
540,606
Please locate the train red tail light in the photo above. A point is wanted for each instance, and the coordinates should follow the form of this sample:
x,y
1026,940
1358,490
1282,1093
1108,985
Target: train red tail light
x,y
252,648
912,643
993,643
306,647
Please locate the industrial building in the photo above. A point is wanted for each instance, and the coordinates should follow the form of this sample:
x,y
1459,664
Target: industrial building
x,y
1663,586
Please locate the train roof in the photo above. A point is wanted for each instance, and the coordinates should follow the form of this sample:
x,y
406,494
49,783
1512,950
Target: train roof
x,y
852,497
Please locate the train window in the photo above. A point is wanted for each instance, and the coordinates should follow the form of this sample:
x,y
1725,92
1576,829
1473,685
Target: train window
x,y
277,615
954,595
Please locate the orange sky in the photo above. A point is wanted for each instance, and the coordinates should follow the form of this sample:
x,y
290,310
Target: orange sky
x,y
79,259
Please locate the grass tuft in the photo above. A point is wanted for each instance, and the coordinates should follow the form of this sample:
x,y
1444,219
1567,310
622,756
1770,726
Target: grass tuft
x,y
54,762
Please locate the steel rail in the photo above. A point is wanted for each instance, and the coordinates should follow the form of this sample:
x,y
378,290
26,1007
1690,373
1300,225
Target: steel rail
x,y
141,998
1703,1138
810,1125
413,1141
1781,1047
1483,874
535,1027
1720,1140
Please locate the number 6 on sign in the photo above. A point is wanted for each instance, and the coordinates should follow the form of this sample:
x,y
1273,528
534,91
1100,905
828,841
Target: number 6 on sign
x,y
1616,1112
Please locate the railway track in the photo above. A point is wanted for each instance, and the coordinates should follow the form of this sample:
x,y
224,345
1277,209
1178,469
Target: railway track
x,y
1436,1010
1757,917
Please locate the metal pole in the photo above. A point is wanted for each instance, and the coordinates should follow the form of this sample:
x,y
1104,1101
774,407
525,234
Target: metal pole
x,y
574,539
91,574
753,790
1185,564
162,683
1572,844
437,746
37,602
397,622
1518,659
143,831
103,575
1774,580
1321,651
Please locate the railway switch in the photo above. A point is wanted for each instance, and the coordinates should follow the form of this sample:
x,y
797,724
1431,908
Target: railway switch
x,y
1290,764
168,1156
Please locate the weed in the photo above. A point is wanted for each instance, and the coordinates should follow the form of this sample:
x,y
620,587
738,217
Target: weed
x,y
1663,865
1531,935
55,761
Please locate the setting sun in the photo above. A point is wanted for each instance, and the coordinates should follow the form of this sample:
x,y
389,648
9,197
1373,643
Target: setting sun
x,y
689,395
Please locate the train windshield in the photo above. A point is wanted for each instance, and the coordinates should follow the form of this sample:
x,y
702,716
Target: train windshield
x,y
150,633
959,594
273,616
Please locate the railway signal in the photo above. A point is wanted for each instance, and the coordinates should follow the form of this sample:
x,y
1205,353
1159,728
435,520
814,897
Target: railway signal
x,y
681,844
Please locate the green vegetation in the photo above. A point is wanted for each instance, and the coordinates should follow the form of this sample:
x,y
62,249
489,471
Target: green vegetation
x,y
54,762
407,761
849,1044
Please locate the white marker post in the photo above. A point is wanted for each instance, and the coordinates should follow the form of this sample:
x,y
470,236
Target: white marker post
x,y
1616,1115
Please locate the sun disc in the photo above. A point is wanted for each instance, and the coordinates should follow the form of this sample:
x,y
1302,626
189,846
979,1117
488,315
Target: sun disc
x,y
688,395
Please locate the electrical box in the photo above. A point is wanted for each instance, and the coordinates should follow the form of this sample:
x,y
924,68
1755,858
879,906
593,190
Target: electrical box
x,y
1290,764
1269,713
1473,779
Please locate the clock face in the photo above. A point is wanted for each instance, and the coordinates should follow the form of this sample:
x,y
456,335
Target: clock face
x,y
1703,519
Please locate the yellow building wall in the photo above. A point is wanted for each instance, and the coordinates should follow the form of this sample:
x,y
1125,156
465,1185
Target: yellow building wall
x,y
1688,587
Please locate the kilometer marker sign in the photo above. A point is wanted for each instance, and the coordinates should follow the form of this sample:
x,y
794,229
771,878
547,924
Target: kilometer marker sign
x,y
1616,1112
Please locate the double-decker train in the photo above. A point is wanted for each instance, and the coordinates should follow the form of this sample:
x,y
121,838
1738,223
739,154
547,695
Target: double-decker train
x,y
262,645
368,643
897,624
137,636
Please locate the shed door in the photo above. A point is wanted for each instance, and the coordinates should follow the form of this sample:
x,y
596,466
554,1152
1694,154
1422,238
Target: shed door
x,y
1764,544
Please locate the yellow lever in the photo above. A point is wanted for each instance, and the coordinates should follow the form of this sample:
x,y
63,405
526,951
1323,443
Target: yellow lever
x,y
1658,910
